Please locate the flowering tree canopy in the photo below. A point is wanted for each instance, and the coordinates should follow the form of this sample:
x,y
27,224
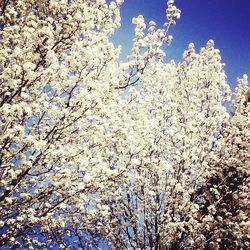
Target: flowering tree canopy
x,y
141,154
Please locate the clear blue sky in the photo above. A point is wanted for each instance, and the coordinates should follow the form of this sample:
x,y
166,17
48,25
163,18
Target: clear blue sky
x,y
227,22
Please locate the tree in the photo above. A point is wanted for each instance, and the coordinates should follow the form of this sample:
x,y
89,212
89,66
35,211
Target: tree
x,y
58,82
84,163
225,196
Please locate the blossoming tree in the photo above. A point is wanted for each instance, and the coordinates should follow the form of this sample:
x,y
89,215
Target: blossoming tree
x,y
83,163
225,196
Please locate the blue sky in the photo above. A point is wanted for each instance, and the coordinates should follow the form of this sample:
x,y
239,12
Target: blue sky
x,y
227,22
